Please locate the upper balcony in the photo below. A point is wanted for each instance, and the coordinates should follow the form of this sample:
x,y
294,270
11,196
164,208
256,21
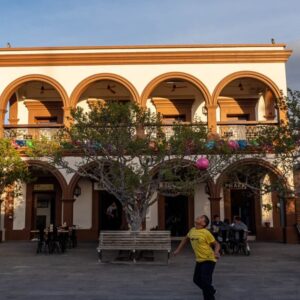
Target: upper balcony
x,y
37,109
244,106
34,110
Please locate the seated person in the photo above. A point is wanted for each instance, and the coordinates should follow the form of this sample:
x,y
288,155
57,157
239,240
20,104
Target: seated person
x,y
238,224
216,225
225,225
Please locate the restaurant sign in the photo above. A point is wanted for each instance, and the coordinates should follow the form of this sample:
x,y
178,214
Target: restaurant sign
x,y
43,187
235,185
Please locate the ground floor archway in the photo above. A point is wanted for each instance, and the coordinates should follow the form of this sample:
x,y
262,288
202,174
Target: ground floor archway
x,y
266,214
243,204
95,209
176,213
110,212
36,205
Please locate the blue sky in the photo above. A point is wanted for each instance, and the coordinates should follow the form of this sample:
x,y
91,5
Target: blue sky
x,y
113,22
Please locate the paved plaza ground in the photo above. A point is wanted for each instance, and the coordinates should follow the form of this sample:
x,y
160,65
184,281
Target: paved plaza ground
x,y
271,272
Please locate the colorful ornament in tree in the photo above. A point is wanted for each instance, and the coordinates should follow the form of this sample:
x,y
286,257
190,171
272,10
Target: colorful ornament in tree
x,y
96,145
15,145
21,143
242,144
210,145
202,163
268,148
76,143
93,145
29,143
254,143
233,145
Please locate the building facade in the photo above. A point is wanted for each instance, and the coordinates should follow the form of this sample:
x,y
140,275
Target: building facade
x,y
232,88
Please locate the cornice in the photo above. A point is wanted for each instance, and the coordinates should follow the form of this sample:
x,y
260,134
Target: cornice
x,y
138,47
135,58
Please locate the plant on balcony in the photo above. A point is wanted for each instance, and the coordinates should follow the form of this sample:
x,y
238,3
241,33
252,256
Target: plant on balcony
x,y
267,207
125,148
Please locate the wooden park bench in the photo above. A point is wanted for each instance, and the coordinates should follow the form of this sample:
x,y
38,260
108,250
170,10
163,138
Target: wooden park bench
x,y
134,246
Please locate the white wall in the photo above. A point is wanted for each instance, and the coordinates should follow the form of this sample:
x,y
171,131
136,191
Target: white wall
x,y
152,215
141,75
84,105
202,203
20,208
22,112
83,205
266,216
260,109
222,211
197,109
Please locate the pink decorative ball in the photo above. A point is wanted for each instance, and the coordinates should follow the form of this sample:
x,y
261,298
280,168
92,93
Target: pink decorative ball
x,y
233,145
15,145
202,163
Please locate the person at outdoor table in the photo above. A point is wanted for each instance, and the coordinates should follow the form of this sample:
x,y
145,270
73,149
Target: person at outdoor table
x,y
64,225
238,224
216,225
207,251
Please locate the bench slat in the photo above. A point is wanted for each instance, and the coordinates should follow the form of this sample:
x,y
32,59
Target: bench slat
x,y
142,240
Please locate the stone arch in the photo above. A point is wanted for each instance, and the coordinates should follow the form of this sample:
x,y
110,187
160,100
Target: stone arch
x,y
55,172
248,161
245,74
13,86
178,75
82,86
190,199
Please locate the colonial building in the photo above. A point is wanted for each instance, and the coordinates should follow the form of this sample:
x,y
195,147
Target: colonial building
x,y
232,88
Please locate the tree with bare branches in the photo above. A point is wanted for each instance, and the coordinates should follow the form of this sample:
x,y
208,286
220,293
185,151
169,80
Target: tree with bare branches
x,y
133,155
126,149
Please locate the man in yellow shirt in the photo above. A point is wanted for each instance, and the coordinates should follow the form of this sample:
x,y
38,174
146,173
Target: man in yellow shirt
x,y
206,250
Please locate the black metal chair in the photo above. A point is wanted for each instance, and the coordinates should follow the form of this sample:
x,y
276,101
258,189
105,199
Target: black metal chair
x,y
42,245
54,242
73,237
238,243
223,239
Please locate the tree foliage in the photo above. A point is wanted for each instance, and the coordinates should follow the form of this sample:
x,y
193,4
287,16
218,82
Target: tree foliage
x,y
12,167
132,154
127,150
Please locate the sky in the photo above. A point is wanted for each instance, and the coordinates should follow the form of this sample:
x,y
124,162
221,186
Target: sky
x,y
127,22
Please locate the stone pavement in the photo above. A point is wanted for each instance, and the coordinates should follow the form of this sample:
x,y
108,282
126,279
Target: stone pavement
x,y
271,272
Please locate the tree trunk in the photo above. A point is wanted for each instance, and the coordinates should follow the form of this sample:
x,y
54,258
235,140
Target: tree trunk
x,y
134,217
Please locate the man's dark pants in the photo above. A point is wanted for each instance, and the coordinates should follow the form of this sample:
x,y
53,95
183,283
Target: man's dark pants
x,y
203,278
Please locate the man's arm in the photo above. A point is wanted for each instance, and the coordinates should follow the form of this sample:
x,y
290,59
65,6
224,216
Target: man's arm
x,y
181,245
216,246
